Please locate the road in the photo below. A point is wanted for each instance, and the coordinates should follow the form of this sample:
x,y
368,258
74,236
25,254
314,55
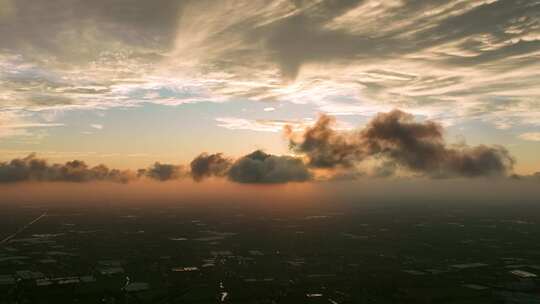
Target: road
x,y
8,238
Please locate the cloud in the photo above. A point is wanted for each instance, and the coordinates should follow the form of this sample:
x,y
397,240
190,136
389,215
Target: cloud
x,y
97,126
451,60
32,168
530,136
100,24
259,125
31,125
257,167
12,124
325,147
397,139
390,143
260,167
421,148
22,129
207,165
163,172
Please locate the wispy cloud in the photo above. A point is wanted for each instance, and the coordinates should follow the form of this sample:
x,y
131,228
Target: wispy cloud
x,y
260,125
31,125
530,136
450,60
14,125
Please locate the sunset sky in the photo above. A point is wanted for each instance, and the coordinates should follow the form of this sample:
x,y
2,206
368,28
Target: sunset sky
x,y
127,83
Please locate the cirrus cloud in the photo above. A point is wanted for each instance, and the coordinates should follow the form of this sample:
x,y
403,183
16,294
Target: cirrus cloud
x,y
530,136
449,60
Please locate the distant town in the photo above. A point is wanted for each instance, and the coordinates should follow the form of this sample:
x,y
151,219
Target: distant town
x,y
189,254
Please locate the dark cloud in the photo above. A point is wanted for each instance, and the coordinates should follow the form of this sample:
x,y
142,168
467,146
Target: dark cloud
x,y
260,167
47,25
421,147
477,161
289,34
386,169
32,168
163,172
299,39
207,165
493,19
325,147
306,36
397,139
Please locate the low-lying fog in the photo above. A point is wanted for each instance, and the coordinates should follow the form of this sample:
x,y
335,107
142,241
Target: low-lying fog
x,y
361,192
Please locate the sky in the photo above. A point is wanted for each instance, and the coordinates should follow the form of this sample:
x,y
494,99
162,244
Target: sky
x,y
327,89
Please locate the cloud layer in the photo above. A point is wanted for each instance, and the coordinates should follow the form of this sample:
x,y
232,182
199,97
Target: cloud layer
x,y
32,168
452,60
390,143
400,142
